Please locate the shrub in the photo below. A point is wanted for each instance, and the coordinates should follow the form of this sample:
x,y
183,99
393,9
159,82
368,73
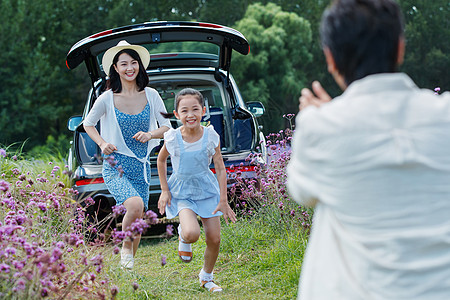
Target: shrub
x,y
267,195
43,249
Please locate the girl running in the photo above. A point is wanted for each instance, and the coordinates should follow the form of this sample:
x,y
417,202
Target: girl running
x,y
192,189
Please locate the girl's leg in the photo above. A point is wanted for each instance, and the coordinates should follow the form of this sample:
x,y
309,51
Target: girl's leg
x,y
135,210
212,235
189,232
189,226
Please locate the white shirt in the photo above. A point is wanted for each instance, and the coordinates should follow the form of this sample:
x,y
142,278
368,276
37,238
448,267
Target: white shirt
x,y
376,163
170,139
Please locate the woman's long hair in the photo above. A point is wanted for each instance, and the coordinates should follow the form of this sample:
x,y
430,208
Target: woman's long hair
x,y
114,79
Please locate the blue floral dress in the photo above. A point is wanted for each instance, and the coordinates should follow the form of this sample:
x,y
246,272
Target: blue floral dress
x,y
131,182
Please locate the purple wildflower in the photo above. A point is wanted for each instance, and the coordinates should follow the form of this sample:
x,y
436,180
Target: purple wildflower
x,y
114,291
437,90
135,285
3,152
169,230
163,260
4,186
151,217
118,210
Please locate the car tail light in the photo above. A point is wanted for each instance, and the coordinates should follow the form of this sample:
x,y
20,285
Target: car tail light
x,y
89,181
237,169
106,32
209,25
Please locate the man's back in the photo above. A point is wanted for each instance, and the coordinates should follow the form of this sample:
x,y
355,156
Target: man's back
x,y
378,160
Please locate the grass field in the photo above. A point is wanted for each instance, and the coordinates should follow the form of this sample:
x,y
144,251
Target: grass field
x,y
45,254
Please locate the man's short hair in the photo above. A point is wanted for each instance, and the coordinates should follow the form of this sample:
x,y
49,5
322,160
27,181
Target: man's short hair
x,y
362,36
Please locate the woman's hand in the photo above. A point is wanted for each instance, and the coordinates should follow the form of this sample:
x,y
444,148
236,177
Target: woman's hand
x,y
164,199
107,148
143,137
225,208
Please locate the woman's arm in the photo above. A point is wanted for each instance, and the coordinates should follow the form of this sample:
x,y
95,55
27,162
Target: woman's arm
x,y
157,107
221,174
165,197
144,137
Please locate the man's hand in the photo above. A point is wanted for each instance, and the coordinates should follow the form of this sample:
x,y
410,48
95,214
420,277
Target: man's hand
x,y
308,98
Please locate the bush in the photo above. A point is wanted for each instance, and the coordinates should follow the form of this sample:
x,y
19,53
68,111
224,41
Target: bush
x,y
43,249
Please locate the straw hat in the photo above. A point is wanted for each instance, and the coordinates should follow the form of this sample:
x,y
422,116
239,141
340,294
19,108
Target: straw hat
x,y
108,57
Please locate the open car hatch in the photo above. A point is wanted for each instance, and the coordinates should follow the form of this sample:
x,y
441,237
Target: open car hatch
x,y
91,48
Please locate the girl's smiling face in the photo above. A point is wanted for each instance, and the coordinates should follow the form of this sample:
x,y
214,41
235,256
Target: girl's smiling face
x,y
127,67
190,111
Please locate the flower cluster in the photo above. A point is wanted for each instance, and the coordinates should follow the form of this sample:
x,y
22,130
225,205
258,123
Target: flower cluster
x,y
267,193
43,248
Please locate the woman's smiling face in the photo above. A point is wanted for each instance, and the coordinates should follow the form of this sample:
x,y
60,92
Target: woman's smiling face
x,y
190,111
127,67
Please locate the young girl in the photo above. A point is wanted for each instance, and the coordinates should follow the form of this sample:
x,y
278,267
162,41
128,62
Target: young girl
x,y
192,188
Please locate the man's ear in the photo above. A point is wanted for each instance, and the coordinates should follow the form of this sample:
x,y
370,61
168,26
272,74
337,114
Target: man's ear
x,y
331,63
401,51
332,68
176,114
204,110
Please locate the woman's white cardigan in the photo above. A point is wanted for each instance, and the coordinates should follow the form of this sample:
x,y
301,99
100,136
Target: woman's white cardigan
x,y
103,110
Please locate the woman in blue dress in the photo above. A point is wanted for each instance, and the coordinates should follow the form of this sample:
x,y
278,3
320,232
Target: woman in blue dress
x,y
192,190
128,112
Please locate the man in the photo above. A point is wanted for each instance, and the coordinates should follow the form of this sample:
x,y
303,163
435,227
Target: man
x,y
375,163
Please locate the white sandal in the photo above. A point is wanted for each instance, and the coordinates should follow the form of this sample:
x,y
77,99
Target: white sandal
x,y
211,286
127,261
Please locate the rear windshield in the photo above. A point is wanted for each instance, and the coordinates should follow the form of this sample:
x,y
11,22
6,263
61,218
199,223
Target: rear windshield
x,y
176,47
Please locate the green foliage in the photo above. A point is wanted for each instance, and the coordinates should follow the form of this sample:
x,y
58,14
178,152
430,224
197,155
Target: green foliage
x,y
273,71
39,94
53,147
427,47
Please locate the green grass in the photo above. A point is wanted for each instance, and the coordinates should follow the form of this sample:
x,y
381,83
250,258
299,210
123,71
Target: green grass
x,y
255,262
260,256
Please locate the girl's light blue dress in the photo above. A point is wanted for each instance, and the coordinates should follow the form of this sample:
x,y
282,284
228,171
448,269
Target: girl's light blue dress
x,y
192,184
131,183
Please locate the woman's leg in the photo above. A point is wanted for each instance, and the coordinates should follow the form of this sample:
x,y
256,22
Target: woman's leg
x,y
135,210
212,235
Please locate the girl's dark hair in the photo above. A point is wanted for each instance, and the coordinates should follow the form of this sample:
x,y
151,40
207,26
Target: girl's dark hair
x,y
114,78
363,36
180,95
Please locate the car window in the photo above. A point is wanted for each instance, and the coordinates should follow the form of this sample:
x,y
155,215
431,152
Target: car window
x,y
176,47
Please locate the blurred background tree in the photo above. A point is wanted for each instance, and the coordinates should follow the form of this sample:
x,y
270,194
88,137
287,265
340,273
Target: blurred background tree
x,y
38,93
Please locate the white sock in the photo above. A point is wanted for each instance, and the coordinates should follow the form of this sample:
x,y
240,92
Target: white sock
x,y
182,245
203,276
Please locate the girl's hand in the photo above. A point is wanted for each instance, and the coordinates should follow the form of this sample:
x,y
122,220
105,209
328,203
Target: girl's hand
x,y
143,137
228,213
107,148
164,199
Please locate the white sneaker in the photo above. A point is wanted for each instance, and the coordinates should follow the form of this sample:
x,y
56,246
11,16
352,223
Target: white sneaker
x,y
127,261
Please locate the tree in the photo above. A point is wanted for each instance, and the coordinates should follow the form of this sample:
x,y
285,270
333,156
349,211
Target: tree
x,y
427,32
273,72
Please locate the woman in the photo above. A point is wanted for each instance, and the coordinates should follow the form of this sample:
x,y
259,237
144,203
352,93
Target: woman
x,y
128,112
